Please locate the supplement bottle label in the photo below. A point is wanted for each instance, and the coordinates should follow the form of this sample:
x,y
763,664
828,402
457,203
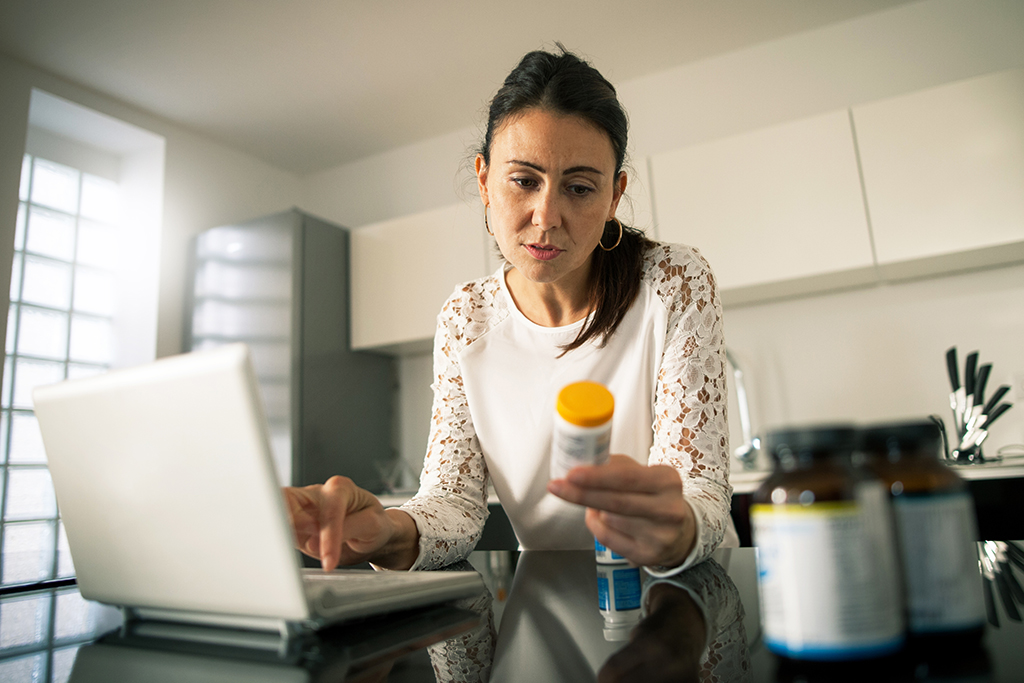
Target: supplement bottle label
x,y
827,579
575,447
940,561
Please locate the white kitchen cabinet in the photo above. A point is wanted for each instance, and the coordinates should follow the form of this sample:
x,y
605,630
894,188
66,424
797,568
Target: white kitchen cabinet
x,y
776,211
404,269
944,174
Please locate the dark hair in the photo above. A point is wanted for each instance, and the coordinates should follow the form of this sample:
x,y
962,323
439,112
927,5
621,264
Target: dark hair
x,y
566,84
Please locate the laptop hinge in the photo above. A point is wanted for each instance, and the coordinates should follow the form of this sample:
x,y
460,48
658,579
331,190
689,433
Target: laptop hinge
x,y
262,633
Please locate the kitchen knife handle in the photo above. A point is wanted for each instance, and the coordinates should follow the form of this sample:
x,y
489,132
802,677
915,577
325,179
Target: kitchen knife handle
x,y
979,389
1000,392
969,372
953,368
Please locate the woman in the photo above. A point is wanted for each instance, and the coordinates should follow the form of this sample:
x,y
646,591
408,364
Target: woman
x,y
580,297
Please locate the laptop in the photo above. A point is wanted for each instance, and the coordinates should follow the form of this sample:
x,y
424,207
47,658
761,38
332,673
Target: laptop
x,y
165,480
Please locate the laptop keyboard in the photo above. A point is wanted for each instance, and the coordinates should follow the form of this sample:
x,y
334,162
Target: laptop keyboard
x,y
333,588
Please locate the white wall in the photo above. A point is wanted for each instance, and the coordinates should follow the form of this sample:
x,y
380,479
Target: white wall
x,y
878,354
206,184
809,359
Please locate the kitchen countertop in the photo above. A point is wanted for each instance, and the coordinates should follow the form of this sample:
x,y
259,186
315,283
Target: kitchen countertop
x,y
538,621
747,481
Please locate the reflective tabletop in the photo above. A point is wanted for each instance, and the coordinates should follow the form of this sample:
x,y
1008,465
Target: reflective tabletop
x,y
546,616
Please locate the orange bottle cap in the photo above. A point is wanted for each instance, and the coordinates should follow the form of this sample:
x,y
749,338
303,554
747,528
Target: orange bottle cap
x,y
586,404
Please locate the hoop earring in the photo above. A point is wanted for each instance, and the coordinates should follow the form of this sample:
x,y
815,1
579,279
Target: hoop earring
x,y
616,241
486,226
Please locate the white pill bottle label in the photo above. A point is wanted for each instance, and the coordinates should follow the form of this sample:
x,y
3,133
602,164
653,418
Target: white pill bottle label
x,y
937,545
828,580
574,446
583,427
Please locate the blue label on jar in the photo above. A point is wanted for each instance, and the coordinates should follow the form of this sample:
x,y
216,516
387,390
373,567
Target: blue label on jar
x,y
627,588
598,548
602,593
833,653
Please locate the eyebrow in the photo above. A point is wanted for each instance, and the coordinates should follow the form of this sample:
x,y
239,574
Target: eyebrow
x,y
574,169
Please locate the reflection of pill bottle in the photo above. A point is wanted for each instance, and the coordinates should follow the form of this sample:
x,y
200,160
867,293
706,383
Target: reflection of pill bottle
x,y
619,589
606,556
936,531
827,573
583,427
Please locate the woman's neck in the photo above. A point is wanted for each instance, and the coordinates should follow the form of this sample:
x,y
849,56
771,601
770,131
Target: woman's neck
x,y
550,304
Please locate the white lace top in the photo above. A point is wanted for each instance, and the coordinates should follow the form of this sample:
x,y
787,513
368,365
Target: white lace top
x,y
496,378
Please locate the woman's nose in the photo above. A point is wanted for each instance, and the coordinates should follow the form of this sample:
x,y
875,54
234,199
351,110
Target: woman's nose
x,y
547,212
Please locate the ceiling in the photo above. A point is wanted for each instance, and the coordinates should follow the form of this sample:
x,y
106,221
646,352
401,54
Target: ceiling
x,y
310,84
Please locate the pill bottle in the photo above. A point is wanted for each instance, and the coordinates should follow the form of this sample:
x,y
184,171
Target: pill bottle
x,y
828,578
619,591
606,556
583,427
936,532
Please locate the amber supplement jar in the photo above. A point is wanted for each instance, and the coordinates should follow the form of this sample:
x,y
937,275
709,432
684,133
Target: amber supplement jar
x,y
936,530
827,572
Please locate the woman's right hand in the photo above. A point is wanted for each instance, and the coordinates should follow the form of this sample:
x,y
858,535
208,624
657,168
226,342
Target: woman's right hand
x,y
339,523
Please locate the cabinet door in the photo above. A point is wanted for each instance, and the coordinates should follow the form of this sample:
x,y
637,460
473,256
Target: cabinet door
x,y
404,269
944,170
776,205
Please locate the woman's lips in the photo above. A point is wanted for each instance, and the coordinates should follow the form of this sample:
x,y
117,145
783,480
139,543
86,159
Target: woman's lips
x,y
542,252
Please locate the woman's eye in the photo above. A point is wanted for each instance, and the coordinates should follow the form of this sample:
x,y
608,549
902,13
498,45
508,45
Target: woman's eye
x,y
580,190
525,182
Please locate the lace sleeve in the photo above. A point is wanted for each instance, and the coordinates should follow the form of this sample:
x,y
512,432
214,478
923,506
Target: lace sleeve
x,y
691,432
451,505
726,655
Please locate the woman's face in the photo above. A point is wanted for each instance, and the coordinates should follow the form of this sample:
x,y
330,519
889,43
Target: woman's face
x,y
551,187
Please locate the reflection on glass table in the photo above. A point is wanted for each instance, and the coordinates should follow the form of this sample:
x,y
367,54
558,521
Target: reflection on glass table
x,y
539,621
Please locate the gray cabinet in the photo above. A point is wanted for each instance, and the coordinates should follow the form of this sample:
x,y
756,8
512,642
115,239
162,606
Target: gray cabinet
x,y
281,284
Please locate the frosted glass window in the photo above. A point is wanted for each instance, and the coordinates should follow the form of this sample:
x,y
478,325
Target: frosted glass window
x,y
16,277
12,328
72,616
29,374
98,245
26,440
50,234
8,374
26,169
43,333
29,494
68,252
28,552
94,292
47,283
92,340
24,621
78,371
55,186
28,668
100,199
19,227
63,662
65,567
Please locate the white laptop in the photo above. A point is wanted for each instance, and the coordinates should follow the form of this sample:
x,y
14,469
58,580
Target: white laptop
x,y
166,484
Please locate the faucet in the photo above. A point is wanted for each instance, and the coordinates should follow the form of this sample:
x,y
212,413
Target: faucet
x,y
747,452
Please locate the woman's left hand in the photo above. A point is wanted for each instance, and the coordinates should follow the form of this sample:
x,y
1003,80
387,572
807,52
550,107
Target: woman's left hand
x,y
634,510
